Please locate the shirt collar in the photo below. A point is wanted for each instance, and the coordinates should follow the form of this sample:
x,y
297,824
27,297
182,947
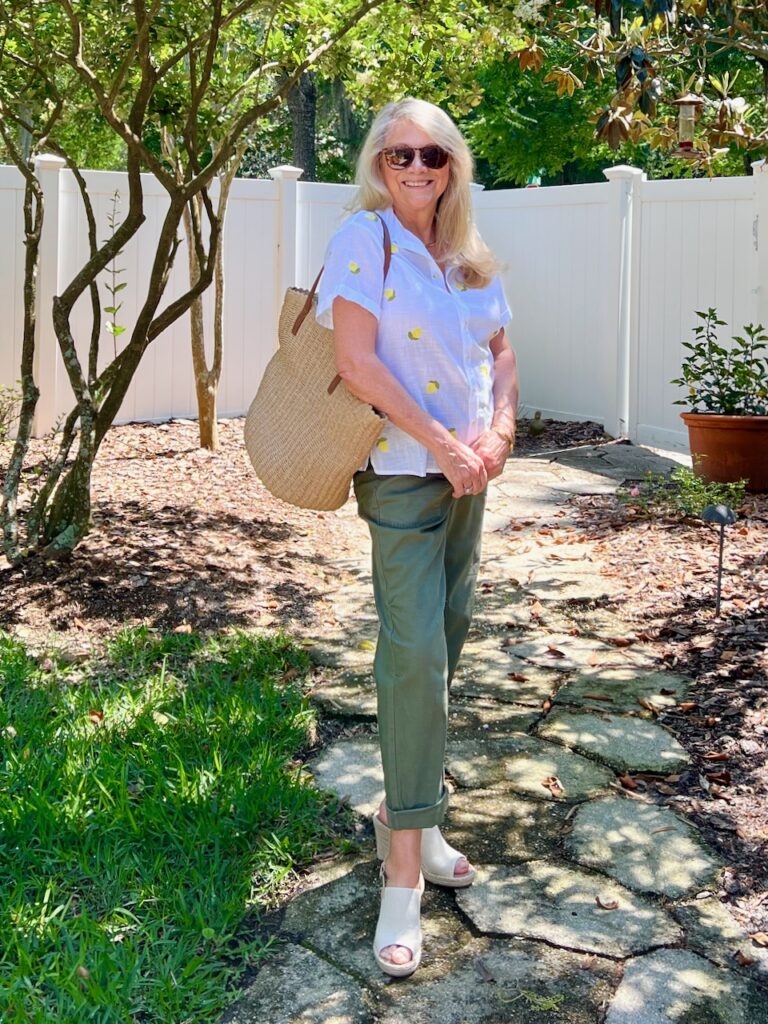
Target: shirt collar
x,y
401,236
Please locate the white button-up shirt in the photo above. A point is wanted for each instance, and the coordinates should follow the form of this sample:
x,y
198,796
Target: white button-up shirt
x,y
433,332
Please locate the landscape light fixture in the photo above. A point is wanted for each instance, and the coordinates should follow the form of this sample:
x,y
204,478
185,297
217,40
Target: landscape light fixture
x,y
723,516
687,109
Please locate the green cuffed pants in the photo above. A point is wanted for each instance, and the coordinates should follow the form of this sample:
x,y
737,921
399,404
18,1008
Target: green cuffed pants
x,y
426,552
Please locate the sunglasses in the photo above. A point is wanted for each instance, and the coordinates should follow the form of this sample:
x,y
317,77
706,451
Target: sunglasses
x,y
401,157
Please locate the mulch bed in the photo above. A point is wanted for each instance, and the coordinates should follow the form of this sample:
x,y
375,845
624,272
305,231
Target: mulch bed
x,y
184,537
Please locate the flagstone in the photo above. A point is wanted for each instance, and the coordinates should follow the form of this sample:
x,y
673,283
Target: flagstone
x,y
569,653
675,985
502,980
352,768
646,848
561,905
625,688
295,986
625,742
492,826
712,931
522,763
487,669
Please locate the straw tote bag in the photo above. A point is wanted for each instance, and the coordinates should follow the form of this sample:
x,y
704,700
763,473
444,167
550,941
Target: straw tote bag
x,y
305,433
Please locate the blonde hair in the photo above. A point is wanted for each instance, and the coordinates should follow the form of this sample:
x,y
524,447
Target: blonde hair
x,y
456,234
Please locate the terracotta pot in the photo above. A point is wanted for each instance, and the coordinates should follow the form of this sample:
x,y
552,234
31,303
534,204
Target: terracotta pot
x,y
729,448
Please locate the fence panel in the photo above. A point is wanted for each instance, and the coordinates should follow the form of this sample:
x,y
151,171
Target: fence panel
x,y
696,251
555,244
12,254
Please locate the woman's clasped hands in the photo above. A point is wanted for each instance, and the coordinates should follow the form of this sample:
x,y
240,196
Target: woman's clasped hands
x,y
462,467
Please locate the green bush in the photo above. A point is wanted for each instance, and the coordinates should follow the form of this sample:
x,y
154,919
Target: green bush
x,y
681,494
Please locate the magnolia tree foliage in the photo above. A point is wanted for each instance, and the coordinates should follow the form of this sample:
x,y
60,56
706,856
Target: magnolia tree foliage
x,y
654,51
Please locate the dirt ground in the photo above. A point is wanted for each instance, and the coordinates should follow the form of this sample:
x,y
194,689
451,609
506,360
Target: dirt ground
x,y
185,537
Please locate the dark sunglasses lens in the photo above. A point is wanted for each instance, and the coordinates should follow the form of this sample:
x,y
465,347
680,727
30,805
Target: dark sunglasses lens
x,y
399,157
434,157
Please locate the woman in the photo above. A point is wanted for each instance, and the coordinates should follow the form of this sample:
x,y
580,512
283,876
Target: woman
x,y
427,348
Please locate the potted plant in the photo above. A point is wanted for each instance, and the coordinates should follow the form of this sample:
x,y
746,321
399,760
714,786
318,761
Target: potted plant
x,y
728,399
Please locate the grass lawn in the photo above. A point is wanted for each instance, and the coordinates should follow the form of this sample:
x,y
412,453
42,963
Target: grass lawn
x,y
148,801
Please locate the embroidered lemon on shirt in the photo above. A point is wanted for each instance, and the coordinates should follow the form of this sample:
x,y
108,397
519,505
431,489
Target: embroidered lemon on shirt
x,y
415,333
394,248
453,431
371,216
484,369
382,444
353,267
389,294
461,287
432,386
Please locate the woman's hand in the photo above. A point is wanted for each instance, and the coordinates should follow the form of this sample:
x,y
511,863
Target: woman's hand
x,y
463,468
493,450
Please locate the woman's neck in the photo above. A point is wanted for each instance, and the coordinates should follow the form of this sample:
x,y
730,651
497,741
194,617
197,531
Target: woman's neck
x,y
420,224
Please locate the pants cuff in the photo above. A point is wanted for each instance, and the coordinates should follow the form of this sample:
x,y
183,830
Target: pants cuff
x,y
419,817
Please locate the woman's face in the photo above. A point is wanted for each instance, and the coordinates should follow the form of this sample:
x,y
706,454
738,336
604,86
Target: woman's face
x,y
416,189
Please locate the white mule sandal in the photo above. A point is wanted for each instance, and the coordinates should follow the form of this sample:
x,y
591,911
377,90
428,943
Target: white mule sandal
x,y
438,858
399,925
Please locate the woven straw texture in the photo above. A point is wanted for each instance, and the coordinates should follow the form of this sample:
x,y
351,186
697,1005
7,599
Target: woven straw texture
x,y
305,444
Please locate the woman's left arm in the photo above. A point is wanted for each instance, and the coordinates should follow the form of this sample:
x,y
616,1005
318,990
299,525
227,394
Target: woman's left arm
x,y
494,445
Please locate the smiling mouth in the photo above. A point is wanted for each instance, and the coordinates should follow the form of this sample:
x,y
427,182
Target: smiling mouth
x,y
417,184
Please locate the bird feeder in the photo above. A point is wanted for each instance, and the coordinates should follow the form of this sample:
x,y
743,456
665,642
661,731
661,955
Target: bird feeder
x,y
687,108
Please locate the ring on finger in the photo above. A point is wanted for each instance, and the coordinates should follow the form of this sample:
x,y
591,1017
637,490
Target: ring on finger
x,y
468,490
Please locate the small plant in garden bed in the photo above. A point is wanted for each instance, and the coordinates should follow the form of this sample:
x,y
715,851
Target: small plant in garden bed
x,y
729,381
680,494
148,801
10,400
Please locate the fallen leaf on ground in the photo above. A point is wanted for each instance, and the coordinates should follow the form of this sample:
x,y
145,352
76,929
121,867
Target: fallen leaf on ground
x,y
647,705
183,628
666,691
761,938
628,782
716,755
96,716
664,828
554,785
598,696
606,904
517,677
686,706
743,959
555,651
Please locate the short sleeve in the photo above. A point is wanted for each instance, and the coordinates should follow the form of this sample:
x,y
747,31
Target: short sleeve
x,y
500,302
354,267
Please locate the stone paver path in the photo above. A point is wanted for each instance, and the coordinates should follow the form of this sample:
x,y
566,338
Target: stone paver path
x,y
592,905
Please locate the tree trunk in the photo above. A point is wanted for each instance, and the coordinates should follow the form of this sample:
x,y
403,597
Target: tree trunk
x,y
68,519
302,104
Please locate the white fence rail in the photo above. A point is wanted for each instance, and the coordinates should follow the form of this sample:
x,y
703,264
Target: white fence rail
x,y
603,280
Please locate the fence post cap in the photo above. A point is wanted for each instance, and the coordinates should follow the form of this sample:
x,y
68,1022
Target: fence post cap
x,y
623,171
49,162
286,171
759,166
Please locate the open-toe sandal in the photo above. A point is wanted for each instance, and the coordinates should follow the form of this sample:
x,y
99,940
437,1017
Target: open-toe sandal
x,y
438,858
399,925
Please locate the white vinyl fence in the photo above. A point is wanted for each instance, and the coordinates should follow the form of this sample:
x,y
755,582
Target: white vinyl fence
x,y
603,280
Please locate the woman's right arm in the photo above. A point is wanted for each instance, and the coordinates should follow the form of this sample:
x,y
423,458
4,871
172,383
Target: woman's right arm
x,y
369,380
